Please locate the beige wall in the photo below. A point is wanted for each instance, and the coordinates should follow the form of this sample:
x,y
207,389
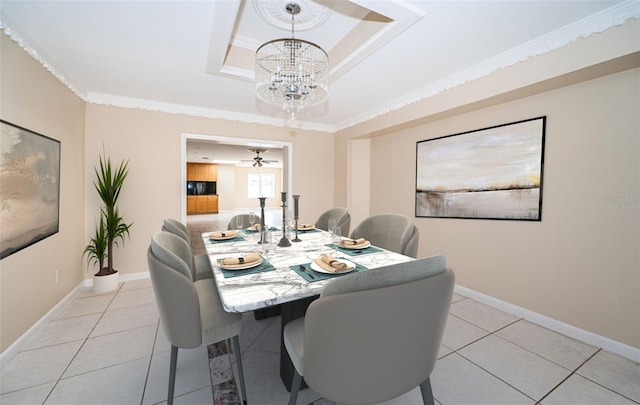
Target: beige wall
x,y
152,143
580,264
32,98
226,186
359,180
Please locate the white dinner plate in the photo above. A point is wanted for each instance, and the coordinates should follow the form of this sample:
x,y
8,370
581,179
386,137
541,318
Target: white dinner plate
x,y
306,229
222,237
319,269
238,267
356,247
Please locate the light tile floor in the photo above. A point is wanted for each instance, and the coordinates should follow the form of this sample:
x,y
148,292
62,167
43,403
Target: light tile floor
x,y
109,349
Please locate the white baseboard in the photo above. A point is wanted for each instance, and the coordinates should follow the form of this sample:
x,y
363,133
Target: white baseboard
x,y
122,278
621,349
11,351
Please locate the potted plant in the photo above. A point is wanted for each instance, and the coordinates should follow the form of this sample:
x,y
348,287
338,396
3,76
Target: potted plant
x,y
112,227
96,250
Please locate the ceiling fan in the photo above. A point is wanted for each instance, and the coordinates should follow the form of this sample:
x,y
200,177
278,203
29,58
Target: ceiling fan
x,y
258,160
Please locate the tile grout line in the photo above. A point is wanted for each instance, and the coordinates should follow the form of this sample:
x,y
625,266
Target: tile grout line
x,y
479,366
81,346
572,372
107,334
495,376
250,345
146,379
489,333
598,349
596,382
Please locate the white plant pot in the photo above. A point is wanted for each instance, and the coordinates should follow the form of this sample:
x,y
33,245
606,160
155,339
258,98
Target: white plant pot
x,y
102,284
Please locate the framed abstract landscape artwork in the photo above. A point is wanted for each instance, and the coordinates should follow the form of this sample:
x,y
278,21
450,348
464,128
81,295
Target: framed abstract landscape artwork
x,y
29,187
489,173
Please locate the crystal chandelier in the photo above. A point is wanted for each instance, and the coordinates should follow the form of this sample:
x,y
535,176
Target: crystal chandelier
x,y
292,73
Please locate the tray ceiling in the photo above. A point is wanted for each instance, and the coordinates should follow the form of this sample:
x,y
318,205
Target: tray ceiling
x,y
196,57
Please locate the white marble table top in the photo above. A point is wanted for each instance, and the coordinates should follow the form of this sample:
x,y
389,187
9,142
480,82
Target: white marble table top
x,y
261,290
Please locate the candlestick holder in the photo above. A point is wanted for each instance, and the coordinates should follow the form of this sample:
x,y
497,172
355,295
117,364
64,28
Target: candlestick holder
x,y
284,242
295,217
296,239
263,236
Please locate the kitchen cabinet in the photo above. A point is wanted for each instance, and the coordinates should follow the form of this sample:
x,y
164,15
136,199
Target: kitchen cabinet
x,y
212,203
202,204
202,172
191,204
206,176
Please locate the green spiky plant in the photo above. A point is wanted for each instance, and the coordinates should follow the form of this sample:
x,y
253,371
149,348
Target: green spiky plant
x,y
108,184
96,250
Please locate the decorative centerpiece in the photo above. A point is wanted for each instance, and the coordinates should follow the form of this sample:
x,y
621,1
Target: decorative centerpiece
x,y
284,242
295,216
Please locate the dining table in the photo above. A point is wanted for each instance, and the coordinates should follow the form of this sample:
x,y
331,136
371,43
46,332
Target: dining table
x,y
286,276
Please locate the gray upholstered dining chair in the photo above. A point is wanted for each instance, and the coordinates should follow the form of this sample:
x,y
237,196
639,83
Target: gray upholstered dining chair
x,y
201,265
373,335
390,231
190,312
245,221
342,217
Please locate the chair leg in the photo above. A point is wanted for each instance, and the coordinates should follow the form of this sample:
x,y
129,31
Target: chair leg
x,y
172,374
427,394
235,344
295,387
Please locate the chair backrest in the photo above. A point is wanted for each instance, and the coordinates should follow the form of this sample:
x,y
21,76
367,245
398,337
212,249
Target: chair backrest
x,y
342,217
390,231
177,302
177,228
375,335
174,252
245,220
411,248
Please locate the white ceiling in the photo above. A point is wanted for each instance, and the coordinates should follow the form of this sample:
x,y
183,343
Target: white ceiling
x,y
207,151
195,57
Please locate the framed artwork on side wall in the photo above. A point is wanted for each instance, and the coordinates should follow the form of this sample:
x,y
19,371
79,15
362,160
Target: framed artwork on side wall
x,y
29,188
489,173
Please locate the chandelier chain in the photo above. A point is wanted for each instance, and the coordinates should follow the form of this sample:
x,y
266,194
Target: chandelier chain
x,y
293,17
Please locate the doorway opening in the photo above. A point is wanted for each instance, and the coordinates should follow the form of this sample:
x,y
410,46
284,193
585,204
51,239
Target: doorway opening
x,y
234,155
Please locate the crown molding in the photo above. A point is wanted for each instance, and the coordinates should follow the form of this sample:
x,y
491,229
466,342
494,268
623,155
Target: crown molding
x,y
35,54
593,24
157,106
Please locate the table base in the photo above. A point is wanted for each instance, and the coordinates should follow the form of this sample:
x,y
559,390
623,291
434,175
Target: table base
x,y
265,313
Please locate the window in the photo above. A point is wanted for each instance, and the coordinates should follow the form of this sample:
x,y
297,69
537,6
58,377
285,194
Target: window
x,y
261,185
